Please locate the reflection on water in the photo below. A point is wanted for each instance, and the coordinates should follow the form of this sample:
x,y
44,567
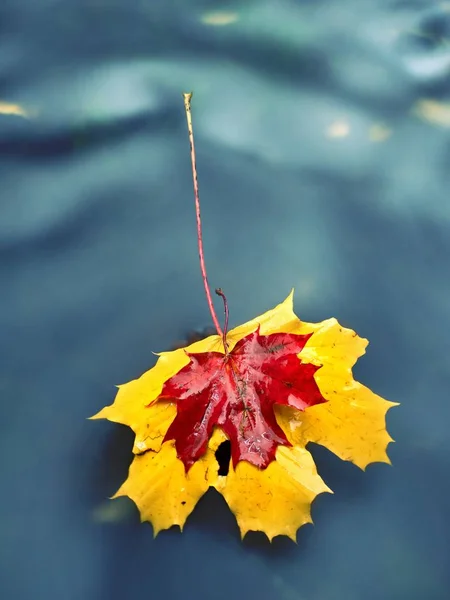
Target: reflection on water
x,y
322,135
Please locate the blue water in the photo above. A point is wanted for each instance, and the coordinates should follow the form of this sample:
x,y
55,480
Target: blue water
x,y
322,132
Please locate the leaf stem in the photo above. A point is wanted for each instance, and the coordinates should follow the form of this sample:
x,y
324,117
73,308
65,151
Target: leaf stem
x,y
220,293
187,105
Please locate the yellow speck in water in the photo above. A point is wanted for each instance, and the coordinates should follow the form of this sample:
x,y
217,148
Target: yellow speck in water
x,y
112,511
219,18
7,108
437,113
338,129
379,132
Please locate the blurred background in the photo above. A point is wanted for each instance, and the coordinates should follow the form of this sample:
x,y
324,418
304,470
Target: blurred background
x,y
322,134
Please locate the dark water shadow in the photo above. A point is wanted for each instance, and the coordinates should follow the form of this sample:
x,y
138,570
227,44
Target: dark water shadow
x,y
212,517
109,469
28,139
347,481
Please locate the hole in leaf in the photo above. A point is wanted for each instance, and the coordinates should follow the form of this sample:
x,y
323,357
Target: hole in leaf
x,y
223,457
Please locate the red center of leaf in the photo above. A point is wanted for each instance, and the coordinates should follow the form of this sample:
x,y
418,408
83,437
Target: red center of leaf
x,y
237,392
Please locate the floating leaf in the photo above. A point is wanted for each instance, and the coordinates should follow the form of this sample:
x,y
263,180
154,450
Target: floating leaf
x,y
266,388
237,390
280,384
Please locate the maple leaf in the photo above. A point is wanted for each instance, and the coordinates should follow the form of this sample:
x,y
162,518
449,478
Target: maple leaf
x,y
268,387
237,391
327,407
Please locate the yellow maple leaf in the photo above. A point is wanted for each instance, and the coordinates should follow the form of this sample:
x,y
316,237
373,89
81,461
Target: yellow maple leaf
x,y
166,482
263,391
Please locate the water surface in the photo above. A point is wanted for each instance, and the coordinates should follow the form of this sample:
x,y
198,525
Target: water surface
x,y
323,146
